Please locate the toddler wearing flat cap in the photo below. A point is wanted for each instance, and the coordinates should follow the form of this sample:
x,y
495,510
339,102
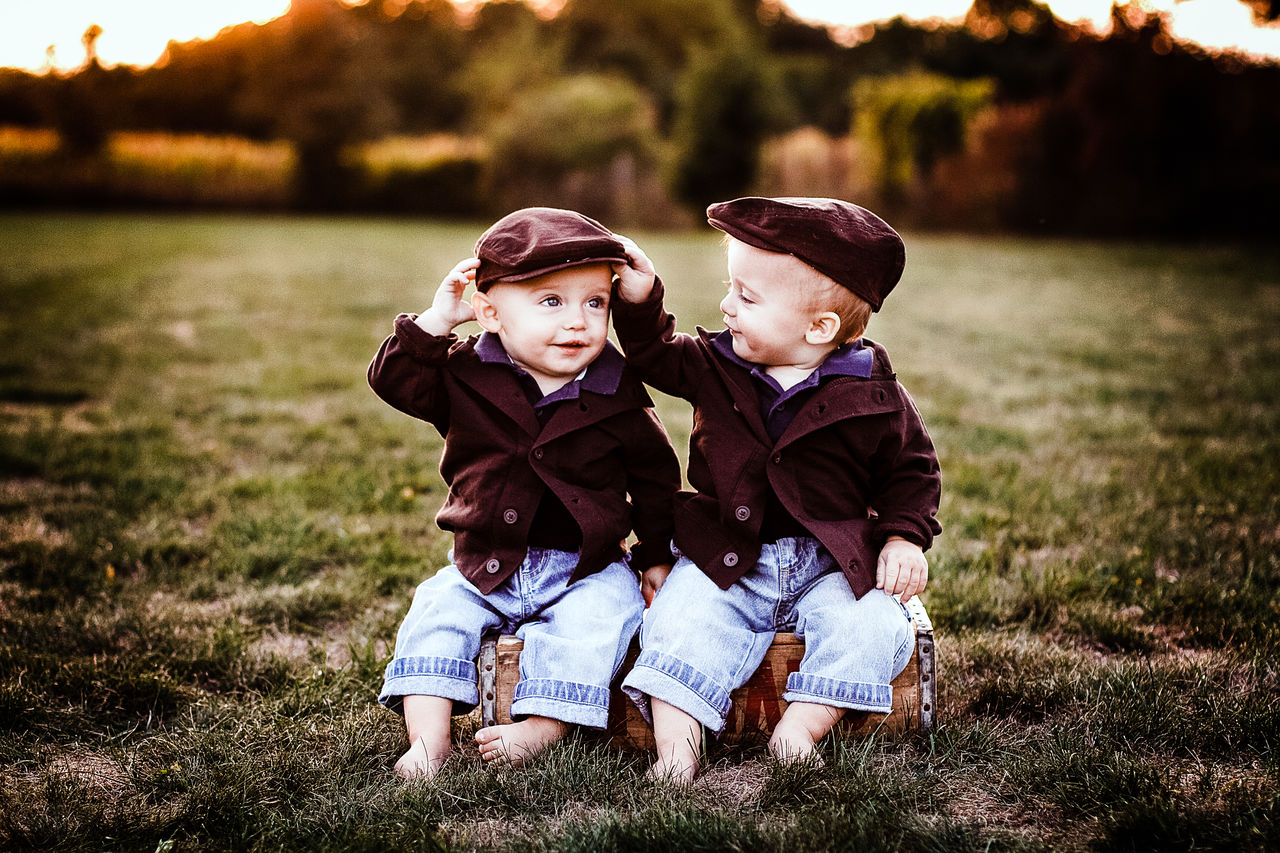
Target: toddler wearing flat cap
x,y
816,485
552,456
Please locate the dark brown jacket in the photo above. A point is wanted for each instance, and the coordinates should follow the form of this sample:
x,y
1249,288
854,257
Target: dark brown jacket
x,y
855,467
498,461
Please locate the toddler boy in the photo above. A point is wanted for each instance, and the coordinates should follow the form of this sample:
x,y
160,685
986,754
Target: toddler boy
x,y
546,433
816,483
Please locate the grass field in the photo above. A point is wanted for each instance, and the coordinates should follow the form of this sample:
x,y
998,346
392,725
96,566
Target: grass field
x,y
210,528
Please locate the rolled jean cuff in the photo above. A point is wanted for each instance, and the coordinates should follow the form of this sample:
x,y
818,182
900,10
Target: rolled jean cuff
x,y
854,695
448,678
567,701
660,676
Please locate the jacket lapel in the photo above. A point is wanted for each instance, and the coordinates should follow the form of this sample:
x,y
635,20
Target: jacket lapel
x,y
842,398
497,384
588,409
746,400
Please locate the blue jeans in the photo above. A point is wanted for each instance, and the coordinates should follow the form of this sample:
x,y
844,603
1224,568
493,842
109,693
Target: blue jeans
x,y
575,637
700,642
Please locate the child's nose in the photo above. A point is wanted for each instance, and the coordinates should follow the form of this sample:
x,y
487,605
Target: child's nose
x,y
726,304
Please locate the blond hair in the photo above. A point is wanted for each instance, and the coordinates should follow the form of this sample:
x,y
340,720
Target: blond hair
x,y
819,293
854,311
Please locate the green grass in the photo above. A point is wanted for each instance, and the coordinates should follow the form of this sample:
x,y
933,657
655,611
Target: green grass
x,y
210,529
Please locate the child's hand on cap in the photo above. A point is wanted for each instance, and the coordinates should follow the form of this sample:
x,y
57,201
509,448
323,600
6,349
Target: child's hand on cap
x,y
636,276
448,309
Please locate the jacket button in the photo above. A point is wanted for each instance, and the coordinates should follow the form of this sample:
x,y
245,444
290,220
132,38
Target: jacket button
x,y
731,559
742,513
492,566
777,457
538,453
510,516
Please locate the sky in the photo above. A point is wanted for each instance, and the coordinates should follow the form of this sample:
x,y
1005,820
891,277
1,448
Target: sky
x,y
135,32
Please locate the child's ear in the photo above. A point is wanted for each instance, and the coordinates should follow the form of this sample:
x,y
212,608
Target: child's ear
x,y
486,312
823,329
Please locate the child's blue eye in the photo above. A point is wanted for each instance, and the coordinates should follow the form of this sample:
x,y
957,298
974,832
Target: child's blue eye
x,y
551,301
596,302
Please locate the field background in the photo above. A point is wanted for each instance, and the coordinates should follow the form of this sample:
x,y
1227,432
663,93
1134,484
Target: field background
x,y
210,528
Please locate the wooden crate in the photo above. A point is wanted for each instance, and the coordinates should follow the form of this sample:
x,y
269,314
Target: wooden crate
x,y
757,705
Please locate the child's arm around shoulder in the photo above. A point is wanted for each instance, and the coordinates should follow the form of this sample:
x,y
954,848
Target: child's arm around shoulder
x,y
669,361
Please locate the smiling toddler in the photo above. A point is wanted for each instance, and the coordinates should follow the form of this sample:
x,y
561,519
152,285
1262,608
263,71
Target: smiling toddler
x,y
552,456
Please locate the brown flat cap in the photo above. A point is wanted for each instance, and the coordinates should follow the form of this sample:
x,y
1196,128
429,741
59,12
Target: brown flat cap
x,y
847,243
534,241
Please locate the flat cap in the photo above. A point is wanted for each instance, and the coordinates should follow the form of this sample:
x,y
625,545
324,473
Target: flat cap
x,y
847,243
534,241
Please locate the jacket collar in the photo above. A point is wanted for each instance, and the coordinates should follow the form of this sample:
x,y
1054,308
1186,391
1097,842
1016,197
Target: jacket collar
x,y
746,399
599,393
842,398
601,376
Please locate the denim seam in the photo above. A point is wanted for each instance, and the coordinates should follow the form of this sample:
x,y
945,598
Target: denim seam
x,y
864,696
592,716
592,695
442,667
713,718
670,666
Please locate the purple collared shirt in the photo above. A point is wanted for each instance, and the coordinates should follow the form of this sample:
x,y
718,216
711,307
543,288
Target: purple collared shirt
x,y
601,376
779,406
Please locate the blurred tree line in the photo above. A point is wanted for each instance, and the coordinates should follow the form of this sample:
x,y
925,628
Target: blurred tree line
x,y
646,110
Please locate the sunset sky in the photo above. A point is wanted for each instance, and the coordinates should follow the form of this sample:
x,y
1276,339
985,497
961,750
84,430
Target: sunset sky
x,y
136,31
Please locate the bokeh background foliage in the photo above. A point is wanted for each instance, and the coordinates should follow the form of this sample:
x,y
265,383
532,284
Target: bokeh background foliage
x,y
642,112
210,528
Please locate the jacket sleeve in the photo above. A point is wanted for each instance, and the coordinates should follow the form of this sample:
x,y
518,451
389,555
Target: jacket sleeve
x,y
407,372
669,361
653,478
911,485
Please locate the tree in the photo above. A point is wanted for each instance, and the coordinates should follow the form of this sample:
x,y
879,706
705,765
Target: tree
x,y
561,141
424,48
80,113
1264,10
319,82
512,53
727,103
648,41
908,123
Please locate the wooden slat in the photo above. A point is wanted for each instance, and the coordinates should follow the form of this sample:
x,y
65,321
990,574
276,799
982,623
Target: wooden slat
x,y
757,705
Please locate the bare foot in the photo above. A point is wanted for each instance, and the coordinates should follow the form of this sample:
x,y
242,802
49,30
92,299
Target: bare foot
x,y
677,764
792,742
516,743
679,740
795,737
423,760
